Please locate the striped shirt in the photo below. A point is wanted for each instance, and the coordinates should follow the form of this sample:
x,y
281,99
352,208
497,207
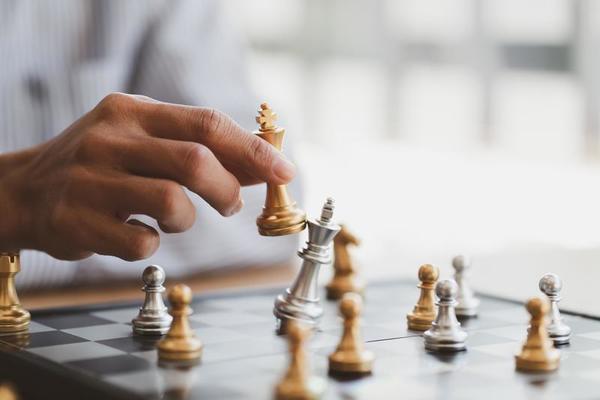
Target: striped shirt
x,y
59,58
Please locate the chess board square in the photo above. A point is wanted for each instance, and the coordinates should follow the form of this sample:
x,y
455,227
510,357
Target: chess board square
x,y
581,344
75,351
52,338
231,318
246,303
513,333
146,381
66,321
114,364
34,327
483,338
211,335
132,344
242,348
120,315
581,325
101,332
503,350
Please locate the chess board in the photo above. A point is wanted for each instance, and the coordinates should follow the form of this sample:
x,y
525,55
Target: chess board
x,y
90,353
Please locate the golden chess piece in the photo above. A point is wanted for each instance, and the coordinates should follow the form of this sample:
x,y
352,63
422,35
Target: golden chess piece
x,y
280,215
345,278
180,344
538,353
8,392
424,312
13,317
297,384
350,356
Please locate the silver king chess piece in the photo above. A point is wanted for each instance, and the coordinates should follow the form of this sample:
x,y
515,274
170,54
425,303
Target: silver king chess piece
x,y
153,318
467,304
445,334
300,302
551,285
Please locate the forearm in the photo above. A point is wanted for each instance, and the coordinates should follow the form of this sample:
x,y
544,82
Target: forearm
x,y
13,221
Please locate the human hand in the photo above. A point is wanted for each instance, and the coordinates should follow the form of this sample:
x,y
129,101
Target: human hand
x,y
73,195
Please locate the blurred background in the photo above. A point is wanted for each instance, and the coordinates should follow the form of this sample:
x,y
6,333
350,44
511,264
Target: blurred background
x,y
443,127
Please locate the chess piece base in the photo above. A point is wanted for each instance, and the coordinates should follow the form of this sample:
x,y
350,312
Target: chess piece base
x,y
288,307
527,365
560,340
312,389
419,322
449,347
339,287
150,327
279,221
449,342
176,349
14,319
351,363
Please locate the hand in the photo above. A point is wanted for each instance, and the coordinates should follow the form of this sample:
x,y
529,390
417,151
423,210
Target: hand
x,y
73,196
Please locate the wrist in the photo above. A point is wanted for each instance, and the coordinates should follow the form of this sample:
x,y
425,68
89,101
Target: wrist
x,y
13,214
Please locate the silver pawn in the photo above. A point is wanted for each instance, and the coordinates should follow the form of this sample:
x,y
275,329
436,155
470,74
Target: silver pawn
x,y
445,333
467,304
153,318
301,301
559,332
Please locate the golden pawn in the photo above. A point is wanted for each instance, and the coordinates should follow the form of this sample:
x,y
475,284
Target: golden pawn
x,y
297,384
13,317
280,215
424,312
350,356
345,278
180,344
538,353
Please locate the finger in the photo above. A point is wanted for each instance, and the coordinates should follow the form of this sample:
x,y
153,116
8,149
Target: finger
x,y
226,139
161,199
191,164
103,234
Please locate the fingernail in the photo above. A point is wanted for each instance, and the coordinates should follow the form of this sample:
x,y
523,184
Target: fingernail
x,y
284,169
237,208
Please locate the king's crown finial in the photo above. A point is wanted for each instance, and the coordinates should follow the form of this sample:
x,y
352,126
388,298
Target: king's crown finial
x,y
266,118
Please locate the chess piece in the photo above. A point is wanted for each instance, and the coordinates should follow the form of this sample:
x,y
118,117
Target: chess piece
x,y
13,317
153,318
301,300
467,304
538,353
8,392
350,356
345,278
445,334
559,332
280,215
424,312
180,344
297,384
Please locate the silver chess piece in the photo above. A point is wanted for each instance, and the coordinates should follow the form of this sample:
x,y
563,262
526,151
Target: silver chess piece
x,y
551,285
467,304
153,318
445,333
301,301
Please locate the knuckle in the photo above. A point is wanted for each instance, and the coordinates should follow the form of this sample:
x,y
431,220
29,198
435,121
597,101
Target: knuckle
x,y
212,121
114,104
260,152
169,194
234,196
195,158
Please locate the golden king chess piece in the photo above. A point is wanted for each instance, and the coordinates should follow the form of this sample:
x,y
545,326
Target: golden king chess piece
x,y
13,317
280,215
180,345
424,312
538,353
345,278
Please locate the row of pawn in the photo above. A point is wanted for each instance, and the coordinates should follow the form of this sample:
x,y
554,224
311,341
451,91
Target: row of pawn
x,y
443,331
